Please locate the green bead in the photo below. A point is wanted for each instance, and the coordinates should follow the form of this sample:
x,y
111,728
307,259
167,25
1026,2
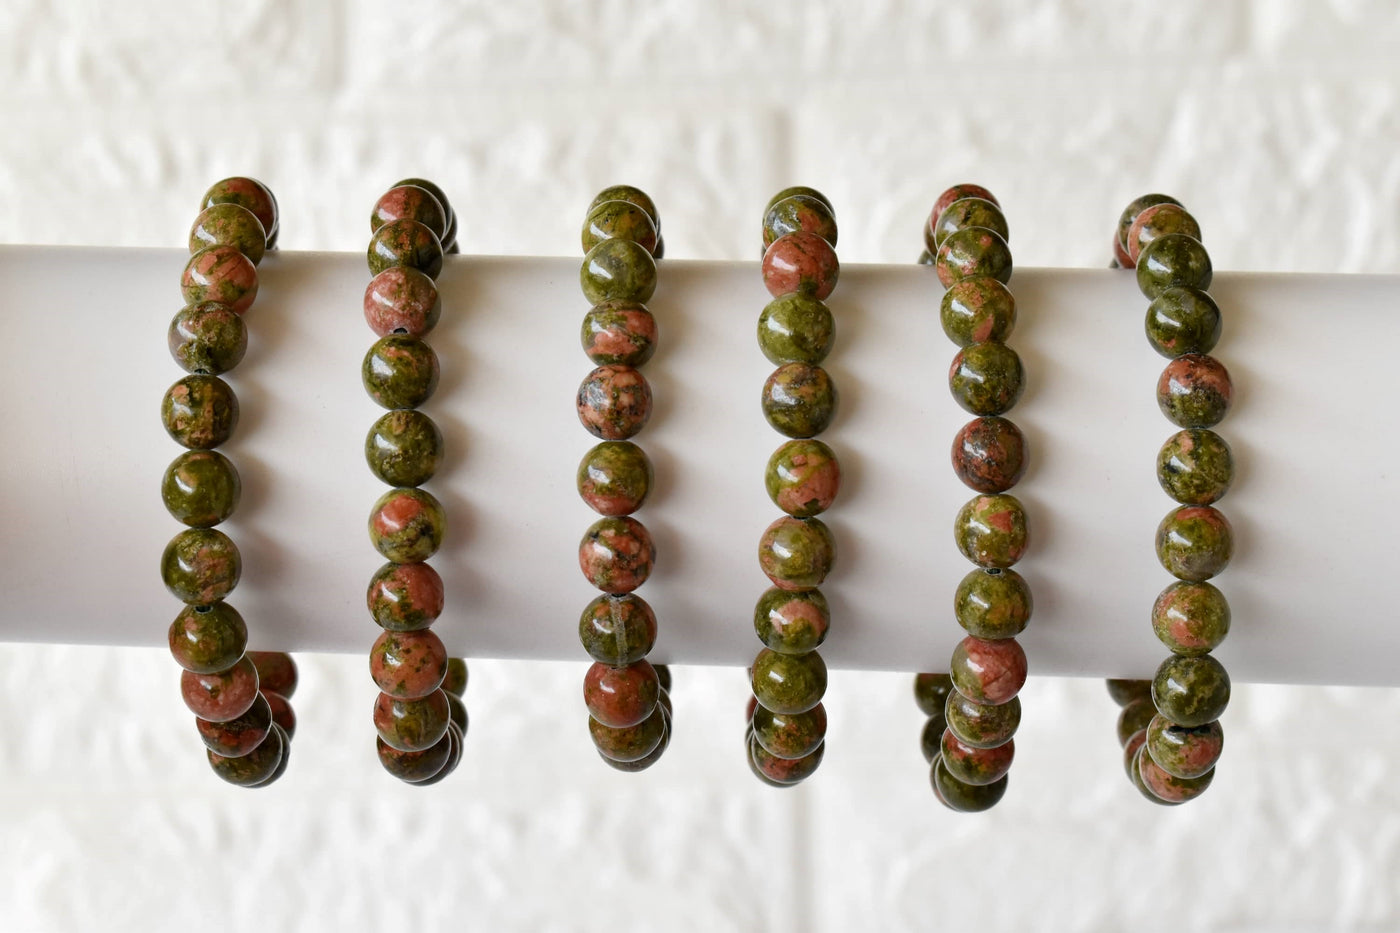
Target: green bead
x,y
207,338
991,530
437,192
789,735
617,630
619,333
258,766
1191,619
797,191
1130,214
972,252
799,400
931,692
418,767
632,196
404,448
977,310
1195,466
400,371
407,525
1174,259
405,243
796,553
1157,221
1195,391
968,212
412,725
975,766
1191,691
200,566
993,604
979,724
208,639
663,675
621,220
931,738
1168,788
1134,717
925,258
229,224
986,378
1124,692
803,477
618,270
799,212
1183,320
410,202
1186,752
455,683
629,743
200,488
199,412
457,711
788,683
961,796
796,328
614,478
1194,542
782,772
791,622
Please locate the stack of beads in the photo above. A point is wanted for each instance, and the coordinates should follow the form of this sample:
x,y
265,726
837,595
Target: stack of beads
x,y
629,707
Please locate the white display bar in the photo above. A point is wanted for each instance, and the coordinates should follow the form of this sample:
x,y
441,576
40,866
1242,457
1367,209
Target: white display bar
x,y
1315,504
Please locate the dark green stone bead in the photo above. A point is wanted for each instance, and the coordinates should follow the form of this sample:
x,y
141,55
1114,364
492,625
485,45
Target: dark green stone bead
x,y
931,739
1194,391
405,243
1194,542
796,553
964,213
1195,466
246,193
455,737
796,328
986,378
783,772
1157,221
412,725
931,692
455,683
619,333
457,711
991,530
410,202
993,604
437,192
407,525
621,220
976,766
1166,787
239,735
229,225
1183,320
1174,259
200,488
618,270
799,400
614,478
979,724
400,371
617,630
255,768
803,477
961,796
415,767
199,412
925,258
1191,691
977,310
208,639
632,196
789,735
629,743
404,448
797,191
207,338
791,622
663,675
1130,214
971,252
799,212
1187,752
1124,692
788,683
1134,718
1130,752
200,566
1191,619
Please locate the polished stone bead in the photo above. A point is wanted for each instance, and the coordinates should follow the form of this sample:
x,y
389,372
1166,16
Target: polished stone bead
x,y
400,372
621,220
456,736
982,725
229,225
240,735
1130,751
972,252
1134,766
276,671
249,194
803,263
405,243
617,630
410,202
788,683
1195,542
789,735
200,488
1194,391
1184,751
412,725
988,671
975,766
663,674
977,310
407,525
799,400
1191,691
796,328
1167,787
207,338
1124,692
618,270
199,412
257,768
797,191
632,196
405,597
957,193
989,454
1174,259
962,214
457,711
993,604
436,191
799,213
200,566
1157,221
1195,466
616,554
1182,320
402,300
796,553
408,665
1191,619
783,772
222,695
614,478
282,713
925,258
643,763
415,767
630,743
986,378
931,692
803,477
619,333
222,274
1125,223
404,448
991,530
621,697
791,623
961,796
455,683
614,402
208,639
1134,717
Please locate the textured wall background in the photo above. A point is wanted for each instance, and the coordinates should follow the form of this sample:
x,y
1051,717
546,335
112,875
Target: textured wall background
x,y
1275,120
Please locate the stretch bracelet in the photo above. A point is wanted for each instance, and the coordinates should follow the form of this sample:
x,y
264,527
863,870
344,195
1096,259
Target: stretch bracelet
x,y
1171,731
421,725
967,234
239,698
629,705
785,738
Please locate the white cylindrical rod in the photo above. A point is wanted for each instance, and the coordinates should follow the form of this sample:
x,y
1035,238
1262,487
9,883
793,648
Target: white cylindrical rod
x,y
1315,503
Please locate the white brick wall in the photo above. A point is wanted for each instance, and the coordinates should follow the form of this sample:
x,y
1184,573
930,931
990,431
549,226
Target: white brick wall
x,y
1275,120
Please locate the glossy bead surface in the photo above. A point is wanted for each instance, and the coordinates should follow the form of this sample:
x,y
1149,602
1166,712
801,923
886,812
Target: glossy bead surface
x,y
799,213
412,725
614,402
1124,691
1130,214
991,530
632,196
1167,787
436,191
260,766
663,674
1130,751
223,695
229,225
240,735
621,697
986,378
404,448
982,725
457,712
408,665
1182,320
222,274
618,270
957,193
1157,221
616,554
988,671
799,400
614,478
1194,391
200,488
631,743
1184,751
247,193
410,202
619,333
788,683
208,639
400,372
791,623
1195,542
619,219
1191,691
402,300
404,243
1195,466
407,525
276,671
977,310
989,454
796,328
796,553
783,772
802,478
964,213
931,737
1174,259
282,713
455,683
789,735
200,566
618,630
415,767
456,736
405,597
931,692
961,796
1191,619
972,252
993,604
199,412
975,766
1133,718
803,263
207,338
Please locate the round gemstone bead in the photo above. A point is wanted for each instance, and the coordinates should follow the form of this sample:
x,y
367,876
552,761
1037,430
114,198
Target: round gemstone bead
x,y
1167,787
788,683
410,202
791,623
436,191
457,711
405,243
799,213
931,738
961,796
1133,718
408,665
229,225
800,262
207,338
931,692
789,735
993,604
412,725
1195,466
621,220
971,252
799,400
200,488
1124,692
614,478
619,333
988,671
199,412
407,525
795,191
222,274
957,193
617,269
404,448
1194,542
617,630
620,697
1157,221
402,300
964,213
986,378
632,196
614,402
276,671
405,597
1134,765
1194,391
630,743
616,554
400,371
796,328
1138,740
783,772
240,735
1191,691
1191,619
803,478
977,310
989,454
1184,751
208,639
200,566
982,725
1182,320
1173,259
796,553
260,766
415,767
282,713
455,683
1125,223
249,194
663,674
222,695
991,530
976,766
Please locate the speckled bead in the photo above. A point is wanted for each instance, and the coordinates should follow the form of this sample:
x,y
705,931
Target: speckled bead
x,y
400,372
795,191
407,525
782,772
988,671
803,263
632,196
1184,751
199,412
1134,717
986,378
1125,223
991,530
454,738
789,735
1157,221
796,553
1194,391
222,274
415,767
1124,691
982,725
977,310
408,665
1191,691
614,402
455,683
971,252
1182,320
402,300
404,448
621,697
616,554
412,725
931,692
1167,787
282,713
1191,619
1195,542
631,743
200,488
276,671
249,194
957,193
1195,466
614,478
798,213
788,683
643,763
619,333
796,328
229,225
621,220
799,400
200,566
961,796
436,191
260,766
222,695
989,454
208,639
618,270
1130,750
240,735
410,202
964,213
993,604
207,338
405,597
931,738
618,630
1173,259
791,623
803,478
405,243
976,766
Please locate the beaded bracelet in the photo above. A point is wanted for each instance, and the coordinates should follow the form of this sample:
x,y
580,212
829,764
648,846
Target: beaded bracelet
x,y
1172,732
420,739
785,738
239,698
629,706
967,235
